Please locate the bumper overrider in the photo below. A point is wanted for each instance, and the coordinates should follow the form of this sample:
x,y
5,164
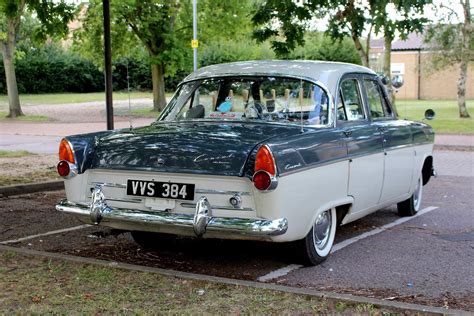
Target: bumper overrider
x,y
201,222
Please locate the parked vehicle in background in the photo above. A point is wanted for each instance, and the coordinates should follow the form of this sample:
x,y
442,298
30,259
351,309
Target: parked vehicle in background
x,y
281,151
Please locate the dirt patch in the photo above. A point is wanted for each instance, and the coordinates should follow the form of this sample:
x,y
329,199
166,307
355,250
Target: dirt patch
x,y
32,214
29,169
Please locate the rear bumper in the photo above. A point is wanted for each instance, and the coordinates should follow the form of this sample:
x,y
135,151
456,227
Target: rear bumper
x,y
201,223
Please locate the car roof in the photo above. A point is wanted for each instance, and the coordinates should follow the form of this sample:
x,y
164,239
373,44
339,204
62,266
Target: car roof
x,y
328,73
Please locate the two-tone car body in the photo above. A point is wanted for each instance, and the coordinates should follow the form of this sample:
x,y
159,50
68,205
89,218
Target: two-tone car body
x,y
267,150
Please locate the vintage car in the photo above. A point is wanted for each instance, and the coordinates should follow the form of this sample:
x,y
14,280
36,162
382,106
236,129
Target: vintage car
x,y
281,151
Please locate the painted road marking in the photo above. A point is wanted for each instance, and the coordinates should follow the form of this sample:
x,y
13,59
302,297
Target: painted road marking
x,y
279,273
292,267
59,231
376,231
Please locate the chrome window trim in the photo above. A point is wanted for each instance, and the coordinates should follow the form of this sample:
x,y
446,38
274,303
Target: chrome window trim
x,y
331,107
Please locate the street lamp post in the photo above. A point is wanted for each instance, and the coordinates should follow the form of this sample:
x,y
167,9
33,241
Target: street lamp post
x,y
195,43
108,66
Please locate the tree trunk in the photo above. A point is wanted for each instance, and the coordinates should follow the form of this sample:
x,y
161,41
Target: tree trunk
x,y
387,60
466,31
8,51
364,55
158,80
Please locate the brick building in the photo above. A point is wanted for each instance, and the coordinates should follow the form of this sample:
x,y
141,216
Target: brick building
x,y
410,59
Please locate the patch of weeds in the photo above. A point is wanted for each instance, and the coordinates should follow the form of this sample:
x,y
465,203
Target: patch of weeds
x,y
8,255
366,308
15,153
341,306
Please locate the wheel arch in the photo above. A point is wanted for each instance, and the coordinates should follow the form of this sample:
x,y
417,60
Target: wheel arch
x,y
427,171
342,207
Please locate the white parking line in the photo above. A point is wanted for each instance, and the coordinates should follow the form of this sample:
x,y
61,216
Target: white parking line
x,y
59,231
278,273
380,229
285,270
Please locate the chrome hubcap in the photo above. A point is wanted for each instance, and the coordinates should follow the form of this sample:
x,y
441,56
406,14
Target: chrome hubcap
x,y
417,195
321,229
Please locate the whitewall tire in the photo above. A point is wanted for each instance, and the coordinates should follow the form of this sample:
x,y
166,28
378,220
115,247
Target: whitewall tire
x,y
318,243
412,205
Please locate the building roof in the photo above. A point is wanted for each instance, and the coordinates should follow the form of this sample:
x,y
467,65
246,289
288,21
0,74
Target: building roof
x,y
414,41
328,73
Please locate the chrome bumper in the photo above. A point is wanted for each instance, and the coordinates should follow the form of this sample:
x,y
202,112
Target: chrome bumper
x,y
200,222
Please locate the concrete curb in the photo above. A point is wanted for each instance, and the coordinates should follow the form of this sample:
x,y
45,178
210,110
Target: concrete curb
x,y
19,189
453,147
267,286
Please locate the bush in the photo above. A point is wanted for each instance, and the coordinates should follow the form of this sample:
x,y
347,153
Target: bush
x,y
50,69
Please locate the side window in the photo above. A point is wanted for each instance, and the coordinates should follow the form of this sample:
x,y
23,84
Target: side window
x,y
350,105
378,106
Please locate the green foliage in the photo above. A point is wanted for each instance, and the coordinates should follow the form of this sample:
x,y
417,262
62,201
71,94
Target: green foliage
x,y
447,43
285,22
51,69
231,50
88,39
319,46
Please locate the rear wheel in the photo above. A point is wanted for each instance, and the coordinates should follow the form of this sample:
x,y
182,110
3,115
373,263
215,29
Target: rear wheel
x,y
318,243
411,206
151,240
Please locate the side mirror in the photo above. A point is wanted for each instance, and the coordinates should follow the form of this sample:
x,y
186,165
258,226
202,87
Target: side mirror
x,y
385,80
430,114
397,81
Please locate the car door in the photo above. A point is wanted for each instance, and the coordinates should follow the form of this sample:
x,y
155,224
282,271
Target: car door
x,y
364,143
396,138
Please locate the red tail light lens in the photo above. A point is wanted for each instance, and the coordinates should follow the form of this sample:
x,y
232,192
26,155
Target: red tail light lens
x,y
65,151
63,168
262,180
264,177
264,161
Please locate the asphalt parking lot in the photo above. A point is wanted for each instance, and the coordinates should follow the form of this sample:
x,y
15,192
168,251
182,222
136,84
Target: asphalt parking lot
x,y
426,259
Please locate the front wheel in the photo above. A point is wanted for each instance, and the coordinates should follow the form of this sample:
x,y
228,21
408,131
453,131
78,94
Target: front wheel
x,y
411,206
320,239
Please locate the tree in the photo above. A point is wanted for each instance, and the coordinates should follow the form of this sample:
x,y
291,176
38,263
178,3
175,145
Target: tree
x,y
453,44
287,21
164,29
53,17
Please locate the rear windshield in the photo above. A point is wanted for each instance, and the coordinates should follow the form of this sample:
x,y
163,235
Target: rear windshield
x,y
274,99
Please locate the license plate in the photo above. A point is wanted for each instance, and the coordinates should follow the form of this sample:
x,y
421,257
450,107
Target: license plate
x,y
165,190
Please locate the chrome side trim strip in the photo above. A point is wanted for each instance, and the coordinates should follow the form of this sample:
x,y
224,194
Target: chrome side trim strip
x,y
110,184
153,221
229,208
208,191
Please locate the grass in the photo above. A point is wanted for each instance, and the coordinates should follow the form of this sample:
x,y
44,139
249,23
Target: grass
x,y
14,153
447,116
34,285
29,177
64,98
28,118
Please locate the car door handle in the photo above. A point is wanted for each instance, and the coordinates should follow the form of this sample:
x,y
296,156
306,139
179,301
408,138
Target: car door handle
x,y
382,128
348,133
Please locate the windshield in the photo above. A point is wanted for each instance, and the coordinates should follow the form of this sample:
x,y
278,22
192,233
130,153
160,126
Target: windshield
x,y
274,99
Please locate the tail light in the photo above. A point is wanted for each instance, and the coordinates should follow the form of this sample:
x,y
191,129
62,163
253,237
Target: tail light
x,y
264,178
65,151
67,167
